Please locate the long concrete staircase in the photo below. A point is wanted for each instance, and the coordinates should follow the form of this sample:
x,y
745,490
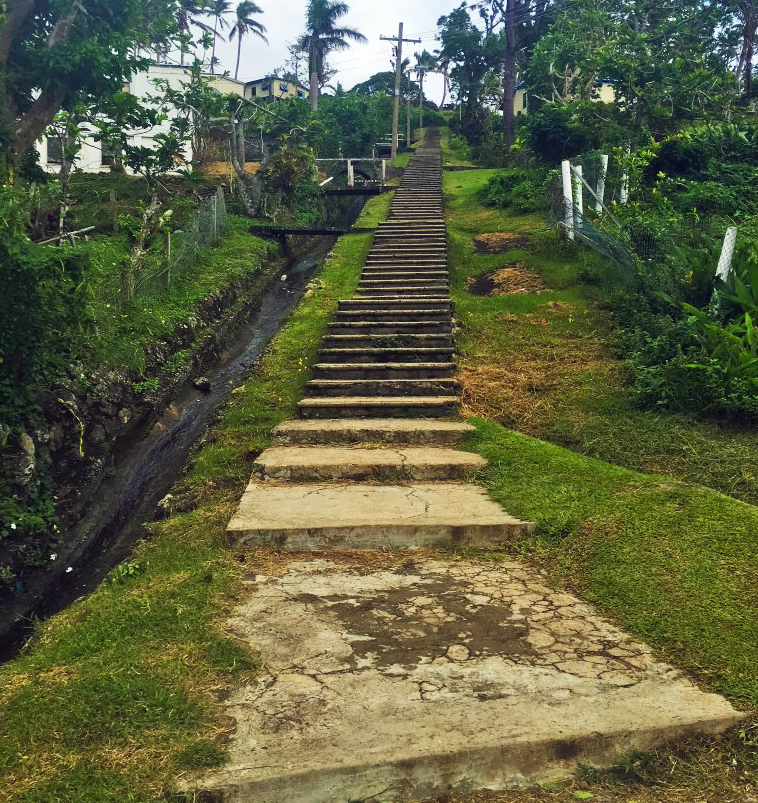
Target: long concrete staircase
x,y
385,378
394,675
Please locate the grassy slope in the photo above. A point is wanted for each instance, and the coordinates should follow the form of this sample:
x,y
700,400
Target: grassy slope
x,y
118,695
560,380
674,563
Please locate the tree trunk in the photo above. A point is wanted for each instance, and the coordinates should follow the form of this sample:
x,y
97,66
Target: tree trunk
x,y
213,52
509,75
313,67
130,267
239,51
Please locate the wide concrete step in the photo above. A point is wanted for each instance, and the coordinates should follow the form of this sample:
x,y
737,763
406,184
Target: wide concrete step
x,y
344,431
411,273
334,463
408,292
398,284
392,303
419,340
431,677
398,327
437,313
384,370
407,355
444,386
378,407
357,516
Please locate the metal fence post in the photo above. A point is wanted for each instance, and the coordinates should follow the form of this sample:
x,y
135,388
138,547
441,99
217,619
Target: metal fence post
x,y
568,198
601,183
578,198
724,269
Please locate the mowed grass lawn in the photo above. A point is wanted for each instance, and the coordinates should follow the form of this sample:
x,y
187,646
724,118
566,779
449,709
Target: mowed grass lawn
x,y
642,514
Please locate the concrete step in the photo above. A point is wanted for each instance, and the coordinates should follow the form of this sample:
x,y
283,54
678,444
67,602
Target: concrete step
x,y
400,327
384,370
335,388
372,291
327,517
430,678
410,272
378,407
408,355
401,284
334,432
334,463
437,313
419,340
391,303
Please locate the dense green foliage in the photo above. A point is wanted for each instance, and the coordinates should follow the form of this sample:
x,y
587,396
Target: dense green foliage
x,y
523,190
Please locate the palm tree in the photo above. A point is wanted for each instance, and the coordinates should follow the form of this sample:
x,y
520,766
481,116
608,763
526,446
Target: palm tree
x,y
322,37
187,15
217,9
245,24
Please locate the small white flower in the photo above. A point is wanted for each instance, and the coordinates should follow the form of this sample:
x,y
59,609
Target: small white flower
x,y
53,556
13,525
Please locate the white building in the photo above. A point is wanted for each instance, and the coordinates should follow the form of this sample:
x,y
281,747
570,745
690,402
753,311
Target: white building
x,y
96,157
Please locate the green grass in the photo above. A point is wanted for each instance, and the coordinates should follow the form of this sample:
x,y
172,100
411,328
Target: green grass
x,y
121,335
675,564
561,380
120,693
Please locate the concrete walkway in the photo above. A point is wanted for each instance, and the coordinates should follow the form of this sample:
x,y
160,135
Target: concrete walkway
x,y
393,675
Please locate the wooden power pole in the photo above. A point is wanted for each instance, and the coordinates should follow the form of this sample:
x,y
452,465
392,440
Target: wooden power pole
x,y
398,79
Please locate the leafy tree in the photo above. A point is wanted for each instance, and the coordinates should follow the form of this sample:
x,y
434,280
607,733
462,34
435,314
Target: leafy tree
x,y
664,58
53,55
322,37
244,24
475,57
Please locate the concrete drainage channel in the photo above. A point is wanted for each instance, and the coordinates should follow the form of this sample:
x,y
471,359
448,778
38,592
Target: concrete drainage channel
x,y
397,683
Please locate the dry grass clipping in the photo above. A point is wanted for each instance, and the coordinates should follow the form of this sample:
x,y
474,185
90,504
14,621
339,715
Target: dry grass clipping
x,y
522,387
506,280
499,242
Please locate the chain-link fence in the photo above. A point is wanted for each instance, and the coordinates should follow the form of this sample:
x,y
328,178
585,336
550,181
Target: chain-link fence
x,y
639,243
168,255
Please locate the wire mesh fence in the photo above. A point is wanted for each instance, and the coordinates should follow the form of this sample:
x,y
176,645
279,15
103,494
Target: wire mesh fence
x,y
596,214
170,255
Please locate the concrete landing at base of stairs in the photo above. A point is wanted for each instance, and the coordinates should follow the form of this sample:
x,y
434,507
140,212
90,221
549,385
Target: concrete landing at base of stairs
x,y
415,516
430,676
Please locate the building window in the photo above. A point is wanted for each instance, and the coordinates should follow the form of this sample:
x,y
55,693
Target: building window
x,y
284,87
300,93
265,85
253,91
110,153
54,151
523,101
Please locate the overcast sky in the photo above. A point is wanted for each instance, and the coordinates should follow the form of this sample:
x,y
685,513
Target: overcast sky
x,y
285,19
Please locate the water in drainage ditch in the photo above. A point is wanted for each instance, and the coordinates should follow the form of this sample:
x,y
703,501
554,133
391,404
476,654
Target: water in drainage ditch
x,y
107,534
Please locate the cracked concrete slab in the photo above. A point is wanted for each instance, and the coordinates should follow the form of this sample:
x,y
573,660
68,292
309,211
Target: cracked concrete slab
x,y
318,517
324,463
437,676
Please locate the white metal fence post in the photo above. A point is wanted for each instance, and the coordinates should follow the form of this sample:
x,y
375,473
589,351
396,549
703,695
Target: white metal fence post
x,y
350,173
568,198
727,254
624,194
601,183
578,198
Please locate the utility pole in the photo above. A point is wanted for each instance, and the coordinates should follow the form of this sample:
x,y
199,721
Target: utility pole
x,y
398,77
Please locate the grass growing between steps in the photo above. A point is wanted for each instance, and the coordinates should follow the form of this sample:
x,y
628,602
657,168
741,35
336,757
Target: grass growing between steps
x,y
119,695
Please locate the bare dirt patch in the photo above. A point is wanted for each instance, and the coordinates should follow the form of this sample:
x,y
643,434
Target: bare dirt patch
x,y
506,280
497,242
